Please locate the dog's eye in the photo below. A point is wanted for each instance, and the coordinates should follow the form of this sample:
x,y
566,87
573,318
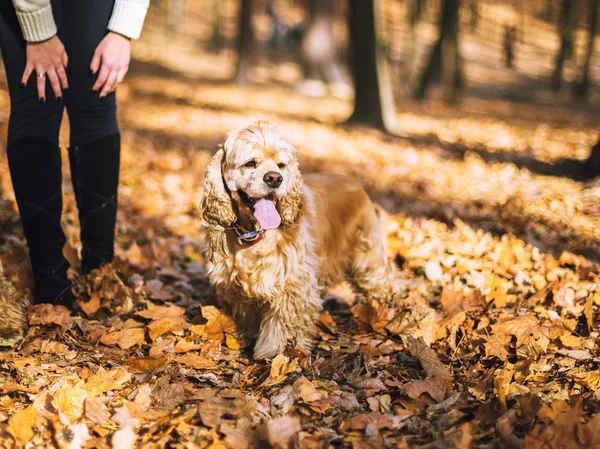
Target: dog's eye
x,y
250,164
281,165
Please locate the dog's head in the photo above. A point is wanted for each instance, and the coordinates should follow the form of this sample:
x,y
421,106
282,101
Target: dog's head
x,y
253,178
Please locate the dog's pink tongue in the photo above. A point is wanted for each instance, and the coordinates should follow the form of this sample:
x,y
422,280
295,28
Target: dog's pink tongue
x,y
266,214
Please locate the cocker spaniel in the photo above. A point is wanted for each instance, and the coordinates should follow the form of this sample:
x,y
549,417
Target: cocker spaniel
x,y
276,238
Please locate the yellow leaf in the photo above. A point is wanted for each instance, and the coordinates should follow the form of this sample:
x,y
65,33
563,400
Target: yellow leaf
x,y
502,382
280,368
20,425
103,381
191,254
70,399
232,342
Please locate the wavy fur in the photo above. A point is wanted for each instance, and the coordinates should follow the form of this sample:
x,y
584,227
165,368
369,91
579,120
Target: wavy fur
x,y
330,232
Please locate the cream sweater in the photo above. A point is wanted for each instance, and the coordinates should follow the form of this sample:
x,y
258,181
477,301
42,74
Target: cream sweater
x,y
37,22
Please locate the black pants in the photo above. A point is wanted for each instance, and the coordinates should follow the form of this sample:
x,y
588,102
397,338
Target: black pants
x,y
81,26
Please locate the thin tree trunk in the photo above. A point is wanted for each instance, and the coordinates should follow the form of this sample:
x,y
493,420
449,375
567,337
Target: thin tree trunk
x,y
444,59
216,40
414,10
245,42
565,52
374,98
580,89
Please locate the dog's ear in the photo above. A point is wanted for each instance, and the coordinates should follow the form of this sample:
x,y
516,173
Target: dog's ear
x,y
216,207
290,206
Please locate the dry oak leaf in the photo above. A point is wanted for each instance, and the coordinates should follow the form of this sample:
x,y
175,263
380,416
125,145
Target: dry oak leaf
x,y
154,312
20,425
589,379
125,339
173,324
96,411
196,361
373,422
281,367
47,314
218,324
279,432
346,401
103,381
454,301
146,364
372,316
438,379
309,395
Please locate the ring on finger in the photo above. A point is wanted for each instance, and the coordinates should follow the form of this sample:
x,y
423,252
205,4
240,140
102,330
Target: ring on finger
x,y
41,75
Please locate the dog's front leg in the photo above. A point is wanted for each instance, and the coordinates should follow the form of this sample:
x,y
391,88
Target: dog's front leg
x,y
289,320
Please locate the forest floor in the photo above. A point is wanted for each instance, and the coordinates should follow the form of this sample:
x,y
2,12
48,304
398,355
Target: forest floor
x,y
497,345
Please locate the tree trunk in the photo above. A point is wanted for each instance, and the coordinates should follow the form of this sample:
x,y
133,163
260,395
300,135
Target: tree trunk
x,y
565,52
374,97
444,60
413,13
580,89
216,40
245,42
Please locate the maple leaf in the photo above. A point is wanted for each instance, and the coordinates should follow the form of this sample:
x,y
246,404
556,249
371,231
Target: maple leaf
x,y
279,432
103,381
527,329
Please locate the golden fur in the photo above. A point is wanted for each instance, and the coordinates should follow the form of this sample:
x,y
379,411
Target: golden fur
x,y
330,232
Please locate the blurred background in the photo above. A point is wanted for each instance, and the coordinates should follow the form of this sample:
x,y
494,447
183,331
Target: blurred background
x,y
479,110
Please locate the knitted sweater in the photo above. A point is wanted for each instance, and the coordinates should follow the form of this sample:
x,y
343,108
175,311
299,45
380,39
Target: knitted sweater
x,y
37,21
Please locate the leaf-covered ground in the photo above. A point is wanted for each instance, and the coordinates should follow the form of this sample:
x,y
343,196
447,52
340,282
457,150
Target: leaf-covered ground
x,y
497,345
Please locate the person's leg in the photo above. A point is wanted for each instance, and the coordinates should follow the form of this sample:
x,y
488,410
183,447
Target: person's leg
x,y
35,166
95,141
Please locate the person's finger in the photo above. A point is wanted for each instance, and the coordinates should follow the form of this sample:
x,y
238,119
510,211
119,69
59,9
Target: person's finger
x,y
41,83
54,82
102,76
62,76
65,59
26,75
121,75
95,65
110,84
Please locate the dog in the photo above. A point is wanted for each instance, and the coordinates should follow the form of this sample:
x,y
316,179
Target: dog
x,y
277,238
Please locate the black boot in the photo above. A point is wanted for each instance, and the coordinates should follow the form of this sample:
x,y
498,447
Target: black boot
x,y
35,170
95,173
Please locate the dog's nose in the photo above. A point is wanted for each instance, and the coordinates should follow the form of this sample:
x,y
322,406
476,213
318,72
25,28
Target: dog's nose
x,y
273,179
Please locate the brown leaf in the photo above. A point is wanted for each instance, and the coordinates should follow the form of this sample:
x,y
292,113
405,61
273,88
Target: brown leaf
x,y
308,394
438,379
454,301
346,401
281,367
125,339
154,312
20,425
47,314
103,381
279,432
527,329
146,364
374,421
96,411
196,361
174,324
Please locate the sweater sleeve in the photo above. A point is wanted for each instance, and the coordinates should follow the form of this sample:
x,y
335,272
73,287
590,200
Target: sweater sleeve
x,y
36,19
128,17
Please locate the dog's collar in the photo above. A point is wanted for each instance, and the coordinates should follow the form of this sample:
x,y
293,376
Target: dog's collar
x,y
248,238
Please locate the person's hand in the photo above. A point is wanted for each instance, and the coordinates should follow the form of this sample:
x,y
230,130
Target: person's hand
x,y
48,59
112,58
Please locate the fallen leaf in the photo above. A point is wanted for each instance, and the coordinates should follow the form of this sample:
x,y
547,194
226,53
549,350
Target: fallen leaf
x,y
281,367
20,425
125,339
